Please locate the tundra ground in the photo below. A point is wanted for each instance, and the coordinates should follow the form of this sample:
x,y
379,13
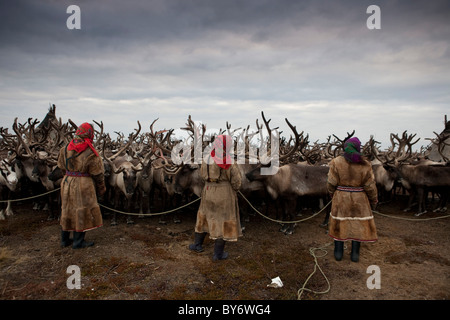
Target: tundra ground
x,y
148,260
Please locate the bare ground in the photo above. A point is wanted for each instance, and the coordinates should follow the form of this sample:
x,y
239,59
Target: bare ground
x,y
148,260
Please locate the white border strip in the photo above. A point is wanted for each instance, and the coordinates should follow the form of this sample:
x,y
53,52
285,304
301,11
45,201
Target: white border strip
x,y
351,218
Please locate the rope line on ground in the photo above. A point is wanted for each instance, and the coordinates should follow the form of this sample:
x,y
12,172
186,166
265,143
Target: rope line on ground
x,y
410,219
312,252
281,221
256,210
32,197
149,214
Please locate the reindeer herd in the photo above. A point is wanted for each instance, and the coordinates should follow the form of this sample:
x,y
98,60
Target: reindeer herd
x,y
148,171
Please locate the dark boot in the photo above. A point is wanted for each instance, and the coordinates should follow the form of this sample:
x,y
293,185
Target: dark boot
x,y
65,239
79,242
198,242
338,250
354,256
219,254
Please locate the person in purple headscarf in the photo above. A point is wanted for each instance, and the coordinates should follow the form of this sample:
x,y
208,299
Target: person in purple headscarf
x,y
352,186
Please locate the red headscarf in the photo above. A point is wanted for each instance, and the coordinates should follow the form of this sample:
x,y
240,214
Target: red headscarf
x,y
83,139
221,151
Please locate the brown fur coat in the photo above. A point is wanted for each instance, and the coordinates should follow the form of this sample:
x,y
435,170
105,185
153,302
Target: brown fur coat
x,y
218,213
79,208
351,215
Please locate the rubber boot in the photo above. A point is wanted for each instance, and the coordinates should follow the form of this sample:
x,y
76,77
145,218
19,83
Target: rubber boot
x,y
197,246
65,239
79,242
338,250
354,255
219,254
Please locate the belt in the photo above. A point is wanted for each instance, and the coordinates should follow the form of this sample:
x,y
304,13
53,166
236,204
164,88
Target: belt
x,y
350,189
77,174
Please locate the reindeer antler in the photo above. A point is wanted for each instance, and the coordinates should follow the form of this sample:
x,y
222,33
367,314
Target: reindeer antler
x,y
131,138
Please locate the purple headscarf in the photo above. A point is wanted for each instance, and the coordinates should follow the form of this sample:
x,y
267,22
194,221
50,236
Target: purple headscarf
x,y
352,150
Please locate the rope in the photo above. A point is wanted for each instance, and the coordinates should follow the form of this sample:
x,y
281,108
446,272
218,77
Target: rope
x,y
32,197
410,219
149,214
312,252
280,221
101,205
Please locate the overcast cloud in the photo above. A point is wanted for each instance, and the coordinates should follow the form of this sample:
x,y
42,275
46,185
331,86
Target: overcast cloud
x,y
313,62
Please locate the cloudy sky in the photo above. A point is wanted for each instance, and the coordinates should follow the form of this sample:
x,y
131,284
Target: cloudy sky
x,y
313,62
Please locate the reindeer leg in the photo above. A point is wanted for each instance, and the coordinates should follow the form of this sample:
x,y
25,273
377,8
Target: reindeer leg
x,y
50,208
412,194
130,220
290,229
284,226
164,200
324,224
2,210
443,200
289,212
129,209
420,197
178,199
143,204
114,220
8,210
286,216
116,206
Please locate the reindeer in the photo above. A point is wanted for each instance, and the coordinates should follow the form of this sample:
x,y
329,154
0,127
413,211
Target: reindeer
x,y
421,179
417,178
8,185
123,179
439,149
35,157
383,168
164,172
292,181
145,183
163,183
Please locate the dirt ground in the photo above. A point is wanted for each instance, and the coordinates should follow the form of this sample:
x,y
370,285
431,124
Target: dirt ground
x,y
148,260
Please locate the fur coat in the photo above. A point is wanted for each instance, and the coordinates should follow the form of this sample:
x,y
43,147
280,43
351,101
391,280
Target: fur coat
x,y
353,190
218,213
79,208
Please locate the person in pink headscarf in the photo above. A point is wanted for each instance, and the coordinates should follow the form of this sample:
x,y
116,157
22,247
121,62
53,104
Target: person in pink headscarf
x,y
218,213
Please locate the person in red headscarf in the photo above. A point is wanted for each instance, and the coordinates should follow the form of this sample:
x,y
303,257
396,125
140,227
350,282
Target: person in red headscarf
x,y
218,213
83,181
